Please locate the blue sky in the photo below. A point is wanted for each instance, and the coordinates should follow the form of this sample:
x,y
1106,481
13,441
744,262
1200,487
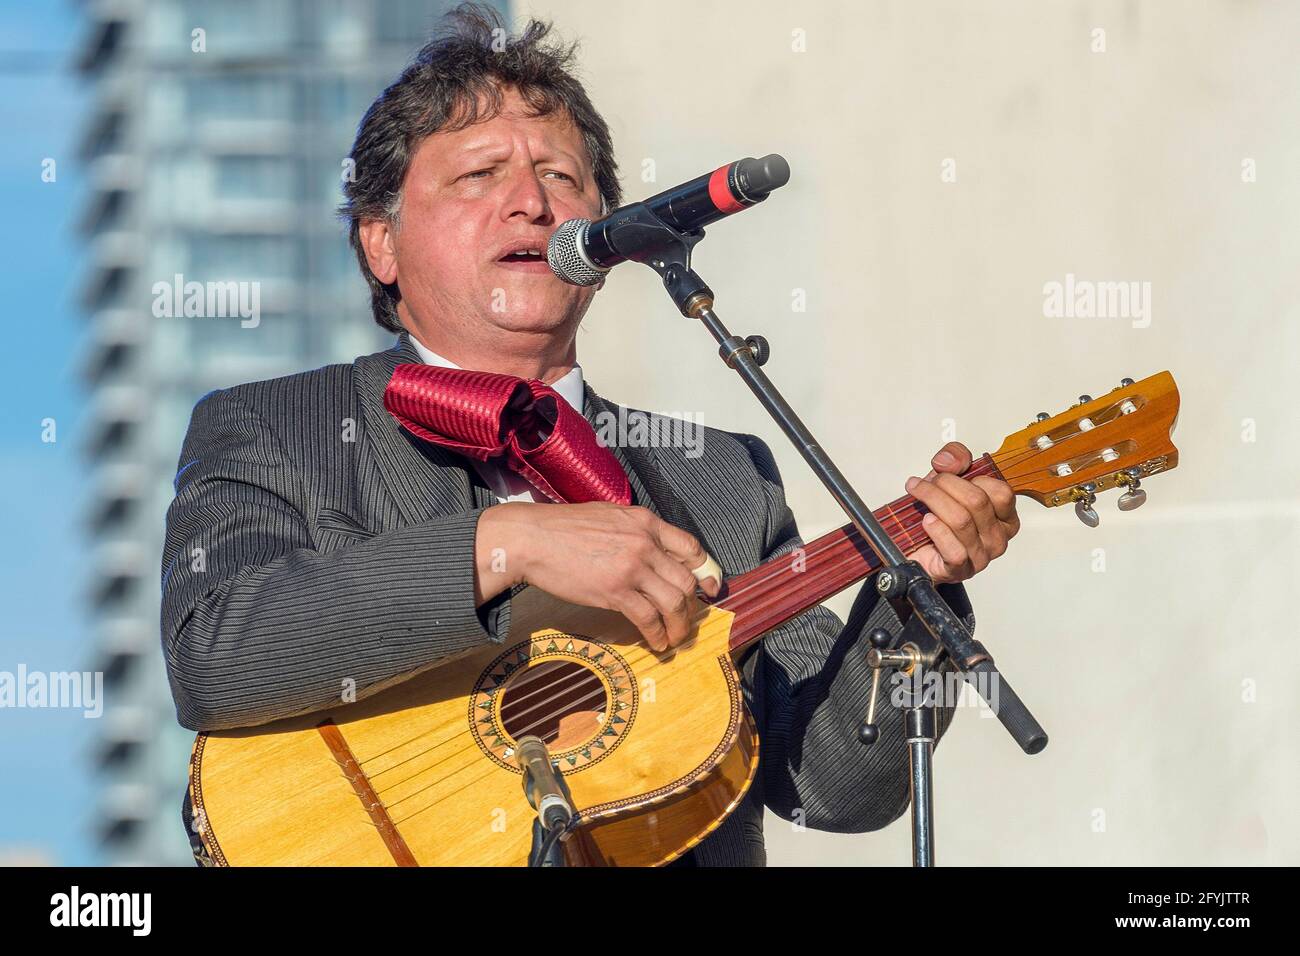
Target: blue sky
x,y
45,788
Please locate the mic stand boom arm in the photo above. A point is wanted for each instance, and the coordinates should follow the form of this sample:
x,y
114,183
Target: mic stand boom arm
x,y
643,237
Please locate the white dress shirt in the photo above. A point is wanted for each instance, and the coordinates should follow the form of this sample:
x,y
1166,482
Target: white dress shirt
x,y
506,484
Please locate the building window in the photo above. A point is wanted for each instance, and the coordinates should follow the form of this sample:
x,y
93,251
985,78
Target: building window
x,y
242,98
256,177
242,27
216,258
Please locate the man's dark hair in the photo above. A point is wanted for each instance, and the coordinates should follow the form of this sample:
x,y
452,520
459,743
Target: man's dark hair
x,y
456,80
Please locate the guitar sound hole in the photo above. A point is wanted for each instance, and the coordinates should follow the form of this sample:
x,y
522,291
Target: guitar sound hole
x,y
560,701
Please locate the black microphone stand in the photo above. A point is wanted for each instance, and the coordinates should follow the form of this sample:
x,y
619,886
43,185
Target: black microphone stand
x,y
643,237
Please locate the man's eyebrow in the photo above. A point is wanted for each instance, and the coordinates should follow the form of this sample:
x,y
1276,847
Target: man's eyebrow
x,y
470,152
554,153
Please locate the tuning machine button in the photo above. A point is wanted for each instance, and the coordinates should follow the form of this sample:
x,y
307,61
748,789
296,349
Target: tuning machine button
x,y
1084,400
1132,499
1085,496
1135,497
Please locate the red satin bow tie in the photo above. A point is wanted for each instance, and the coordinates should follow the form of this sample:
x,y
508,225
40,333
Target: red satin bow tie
x,y
527,424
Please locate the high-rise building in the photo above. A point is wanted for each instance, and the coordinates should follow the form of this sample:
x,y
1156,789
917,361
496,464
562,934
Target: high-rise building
x,y
215,149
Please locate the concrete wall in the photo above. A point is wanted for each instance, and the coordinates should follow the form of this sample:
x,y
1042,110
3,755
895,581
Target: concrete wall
x,y
1164,679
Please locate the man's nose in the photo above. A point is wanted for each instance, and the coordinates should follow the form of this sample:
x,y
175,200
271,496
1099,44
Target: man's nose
x,y
526,197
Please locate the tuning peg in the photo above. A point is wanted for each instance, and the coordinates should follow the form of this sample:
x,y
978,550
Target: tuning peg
x,y
1085,496
1125,382
1086,513
1131,500
1135,497
1084,400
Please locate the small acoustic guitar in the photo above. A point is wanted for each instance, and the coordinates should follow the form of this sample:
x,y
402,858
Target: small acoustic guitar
x,y
656,749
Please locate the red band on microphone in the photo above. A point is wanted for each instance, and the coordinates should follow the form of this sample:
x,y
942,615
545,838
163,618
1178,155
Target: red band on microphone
x,y
720,190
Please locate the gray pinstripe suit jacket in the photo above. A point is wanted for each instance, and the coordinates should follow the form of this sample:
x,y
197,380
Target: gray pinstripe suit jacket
x,y
311,538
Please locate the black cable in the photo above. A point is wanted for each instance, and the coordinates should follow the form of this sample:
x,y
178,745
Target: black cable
x,y
544,851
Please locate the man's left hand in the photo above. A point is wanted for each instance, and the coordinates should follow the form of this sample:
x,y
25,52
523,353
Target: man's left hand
x,y
970,520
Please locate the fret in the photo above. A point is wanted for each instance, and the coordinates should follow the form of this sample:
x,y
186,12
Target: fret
x,y
784,587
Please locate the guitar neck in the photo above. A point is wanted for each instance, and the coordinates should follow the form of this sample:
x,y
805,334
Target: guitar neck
x,y
784,587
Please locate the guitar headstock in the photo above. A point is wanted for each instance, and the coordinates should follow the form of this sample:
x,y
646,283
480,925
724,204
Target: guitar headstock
x,y
1112,441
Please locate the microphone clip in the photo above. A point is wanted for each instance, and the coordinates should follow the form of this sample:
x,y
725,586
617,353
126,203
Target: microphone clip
x,y
641,236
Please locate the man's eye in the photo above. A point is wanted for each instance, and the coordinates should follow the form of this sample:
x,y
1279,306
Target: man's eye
x,y
477,173
556,172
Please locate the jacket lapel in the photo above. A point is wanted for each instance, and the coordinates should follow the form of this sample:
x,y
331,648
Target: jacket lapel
x,y
650,488
598,411
425,481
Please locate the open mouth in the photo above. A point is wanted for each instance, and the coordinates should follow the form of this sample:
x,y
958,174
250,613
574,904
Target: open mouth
x,y
523,255
526,259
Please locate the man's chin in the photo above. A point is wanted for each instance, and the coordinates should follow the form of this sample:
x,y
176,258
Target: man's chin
x,y
534,305
537,316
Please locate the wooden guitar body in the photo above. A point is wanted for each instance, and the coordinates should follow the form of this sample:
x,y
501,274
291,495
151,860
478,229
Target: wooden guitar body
x,y
656,751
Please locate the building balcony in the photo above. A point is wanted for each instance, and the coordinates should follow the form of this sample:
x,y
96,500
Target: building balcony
x,y
124,731
124,810
118,411
114,257
119,489
116,338
103,41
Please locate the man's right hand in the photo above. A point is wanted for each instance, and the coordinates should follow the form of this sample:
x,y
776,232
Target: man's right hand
x,y
598,554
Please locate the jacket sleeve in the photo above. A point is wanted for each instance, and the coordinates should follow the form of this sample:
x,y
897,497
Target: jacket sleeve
x,y
809,686
257,624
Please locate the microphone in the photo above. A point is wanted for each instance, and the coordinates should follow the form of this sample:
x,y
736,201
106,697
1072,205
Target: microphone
x,y
541,785
581,251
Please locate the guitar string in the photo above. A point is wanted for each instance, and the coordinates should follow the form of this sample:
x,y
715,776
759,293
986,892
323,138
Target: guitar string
x,y
597,694
586,673
638,653
489,772
634,658
388,787
434,783
470,766
772,577
906,526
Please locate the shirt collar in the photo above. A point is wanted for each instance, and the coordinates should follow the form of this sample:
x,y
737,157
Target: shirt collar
x,y
569,385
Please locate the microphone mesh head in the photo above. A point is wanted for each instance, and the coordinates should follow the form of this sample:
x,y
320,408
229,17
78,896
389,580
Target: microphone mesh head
x,y
564,253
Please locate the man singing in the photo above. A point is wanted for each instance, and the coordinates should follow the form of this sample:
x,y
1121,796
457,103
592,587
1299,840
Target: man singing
x,y
337,542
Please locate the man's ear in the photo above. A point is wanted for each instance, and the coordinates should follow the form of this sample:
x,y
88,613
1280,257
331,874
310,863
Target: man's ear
x,y
381,253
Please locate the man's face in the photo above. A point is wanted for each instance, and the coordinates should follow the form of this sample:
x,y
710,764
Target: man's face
x,y
473,201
